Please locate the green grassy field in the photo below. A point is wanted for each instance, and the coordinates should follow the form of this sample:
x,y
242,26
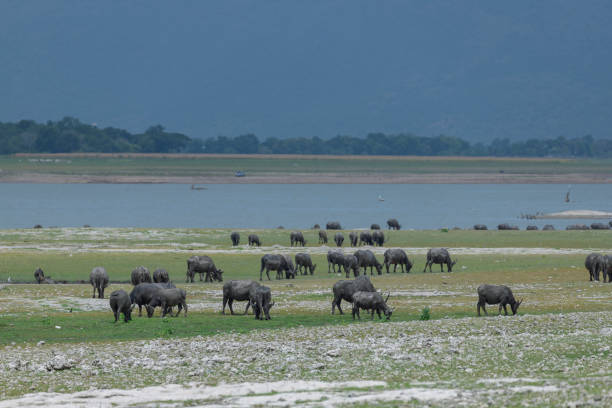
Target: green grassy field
x,y
265,165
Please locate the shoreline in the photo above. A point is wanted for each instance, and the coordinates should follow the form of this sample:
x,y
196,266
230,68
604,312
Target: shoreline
x,y
323,178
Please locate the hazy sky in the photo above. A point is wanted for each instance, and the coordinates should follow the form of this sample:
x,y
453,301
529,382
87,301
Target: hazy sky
x,y
473,69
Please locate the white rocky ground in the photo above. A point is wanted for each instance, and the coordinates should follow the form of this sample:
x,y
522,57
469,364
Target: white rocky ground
x,y
543,360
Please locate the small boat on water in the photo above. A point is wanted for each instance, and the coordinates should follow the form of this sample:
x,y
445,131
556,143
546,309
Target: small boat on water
x,y
380,198
239,173
194,187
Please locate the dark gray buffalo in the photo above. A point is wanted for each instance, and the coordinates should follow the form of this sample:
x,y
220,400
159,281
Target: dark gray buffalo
x,y
237,290
338,239
333,225
351,263
160,275
120,303
372,301
303,263
378,237
39,275
235,237
260,298
166,299
368,259
254,240
203,265
393,224
496,294
374,227
297,238
507,227
142,293
396,257
480,227
354,238
322,236
365,238
592,263
140,275
99,280
344,290
532,228
439,256
334,258
277,263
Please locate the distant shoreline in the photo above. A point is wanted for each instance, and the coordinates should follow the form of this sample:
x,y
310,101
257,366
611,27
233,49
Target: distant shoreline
x,y
322,178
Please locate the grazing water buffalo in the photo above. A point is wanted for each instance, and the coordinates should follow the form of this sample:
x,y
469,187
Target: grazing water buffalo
x,y
374,227
338,239
316,226
166,299
439,256
591,264
297,238
599,226
160,275
235,238
120,303
333,225
393,224
322,237
354,238
367,259
365,238
140,275
344,290
496,294
142,293
290,272
39,275
260,298
480,227
548,227
506,227
276,263
334,258
397,257
303,262
577,227
606,268
203,264
99,280
351,263
254,240
237,290
372,301
532,228
378,237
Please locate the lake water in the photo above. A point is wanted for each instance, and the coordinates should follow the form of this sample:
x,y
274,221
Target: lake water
x,y
418,206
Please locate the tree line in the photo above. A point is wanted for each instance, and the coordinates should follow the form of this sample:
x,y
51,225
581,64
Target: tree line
x,y
70,135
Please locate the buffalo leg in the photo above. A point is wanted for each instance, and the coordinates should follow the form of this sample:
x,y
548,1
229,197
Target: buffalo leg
x,y
139,310
116,313
247,307
224,303
94,292
505,310
229,303
372,314
378,313
267,273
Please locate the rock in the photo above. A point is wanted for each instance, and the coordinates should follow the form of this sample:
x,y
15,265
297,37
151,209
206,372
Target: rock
x,y
333,353
59,363
40,343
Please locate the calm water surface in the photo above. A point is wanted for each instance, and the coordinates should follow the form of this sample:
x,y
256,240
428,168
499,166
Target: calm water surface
x,y
419,206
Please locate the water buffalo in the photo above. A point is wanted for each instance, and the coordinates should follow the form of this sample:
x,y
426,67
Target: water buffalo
x,y
577,227
290,271
276,263
338,239
160,275
599,226
606,268
372,301
365,238
393,224
480,227
507,227
397,257
297,238
532,228
235,237
260,298
203,264
99,280
237,290
303,262
344,290
439,256
254,240
378,237
322,236
374,227
354,238
496,294
333,225
39,275
591,263
334,258
166,299
120,303
140,275
142,293
548,227
351,263
316,226
367,259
